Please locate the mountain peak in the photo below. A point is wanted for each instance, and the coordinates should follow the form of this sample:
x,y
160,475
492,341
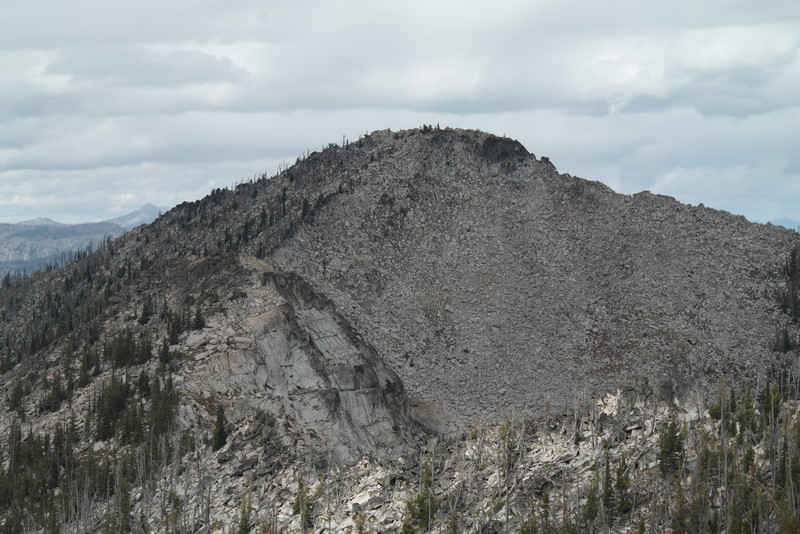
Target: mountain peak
x,y
40,221
144,215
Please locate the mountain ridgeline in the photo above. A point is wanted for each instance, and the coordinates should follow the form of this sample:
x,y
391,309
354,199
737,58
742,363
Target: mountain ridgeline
x,y
486,280
372,295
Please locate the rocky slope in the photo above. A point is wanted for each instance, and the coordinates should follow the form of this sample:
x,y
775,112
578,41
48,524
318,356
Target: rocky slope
x,y
371,296
492,284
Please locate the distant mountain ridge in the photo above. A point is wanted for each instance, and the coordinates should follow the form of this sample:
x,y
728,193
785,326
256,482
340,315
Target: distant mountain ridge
x,y
144,215
33,244
40,221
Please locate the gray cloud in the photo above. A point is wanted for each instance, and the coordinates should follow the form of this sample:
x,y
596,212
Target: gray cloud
x,y
139,66
151,102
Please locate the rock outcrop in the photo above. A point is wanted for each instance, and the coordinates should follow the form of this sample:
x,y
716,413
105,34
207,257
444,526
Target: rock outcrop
x,y
281,348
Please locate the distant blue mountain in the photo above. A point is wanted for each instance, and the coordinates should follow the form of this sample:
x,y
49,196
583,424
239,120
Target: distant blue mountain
x,y
41,221
144,215
32,245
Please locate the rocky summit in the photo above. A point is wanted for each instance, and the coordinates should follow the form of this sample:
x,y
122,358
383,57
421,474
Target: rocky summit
x,y
425,330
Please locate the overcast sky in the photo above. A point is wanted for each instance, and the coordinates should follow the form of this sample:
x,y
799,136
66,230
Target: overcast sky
x,y
108,105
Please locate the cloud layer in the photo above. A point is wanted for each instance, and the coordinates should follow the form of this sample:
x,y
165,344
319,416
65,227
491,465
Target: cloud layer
x,y
106,106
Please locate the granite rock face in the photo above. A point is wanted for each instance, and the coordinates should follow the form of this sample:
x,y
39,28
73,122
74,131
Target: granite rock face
x,y
283,349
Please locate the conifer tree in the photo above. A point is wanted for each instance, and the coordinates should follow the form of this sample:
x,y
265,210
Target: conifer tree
x,y
670,448
609,507
220,435
303,505
593,503
244,515
198,322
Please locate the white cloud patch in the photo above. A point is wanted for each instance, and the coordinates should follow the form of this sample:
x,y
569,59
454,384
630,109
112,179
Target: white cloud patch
x,y
738,52
736,70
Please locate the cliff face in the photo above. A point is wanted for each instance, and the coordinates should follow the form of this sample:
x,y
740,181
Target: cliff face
x,y
291,354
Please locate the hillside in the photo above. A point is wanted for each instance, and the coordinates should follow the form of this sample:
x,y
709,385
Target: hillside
x,y
458,252
312,337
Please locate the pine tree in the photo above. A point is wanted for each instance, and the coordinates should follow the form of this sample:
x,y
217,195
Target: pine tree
x,y
622,486
198,322
680,517
593,503
165,355
123,497
609,506
147,311
220,435
670,448
303,505
244,515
